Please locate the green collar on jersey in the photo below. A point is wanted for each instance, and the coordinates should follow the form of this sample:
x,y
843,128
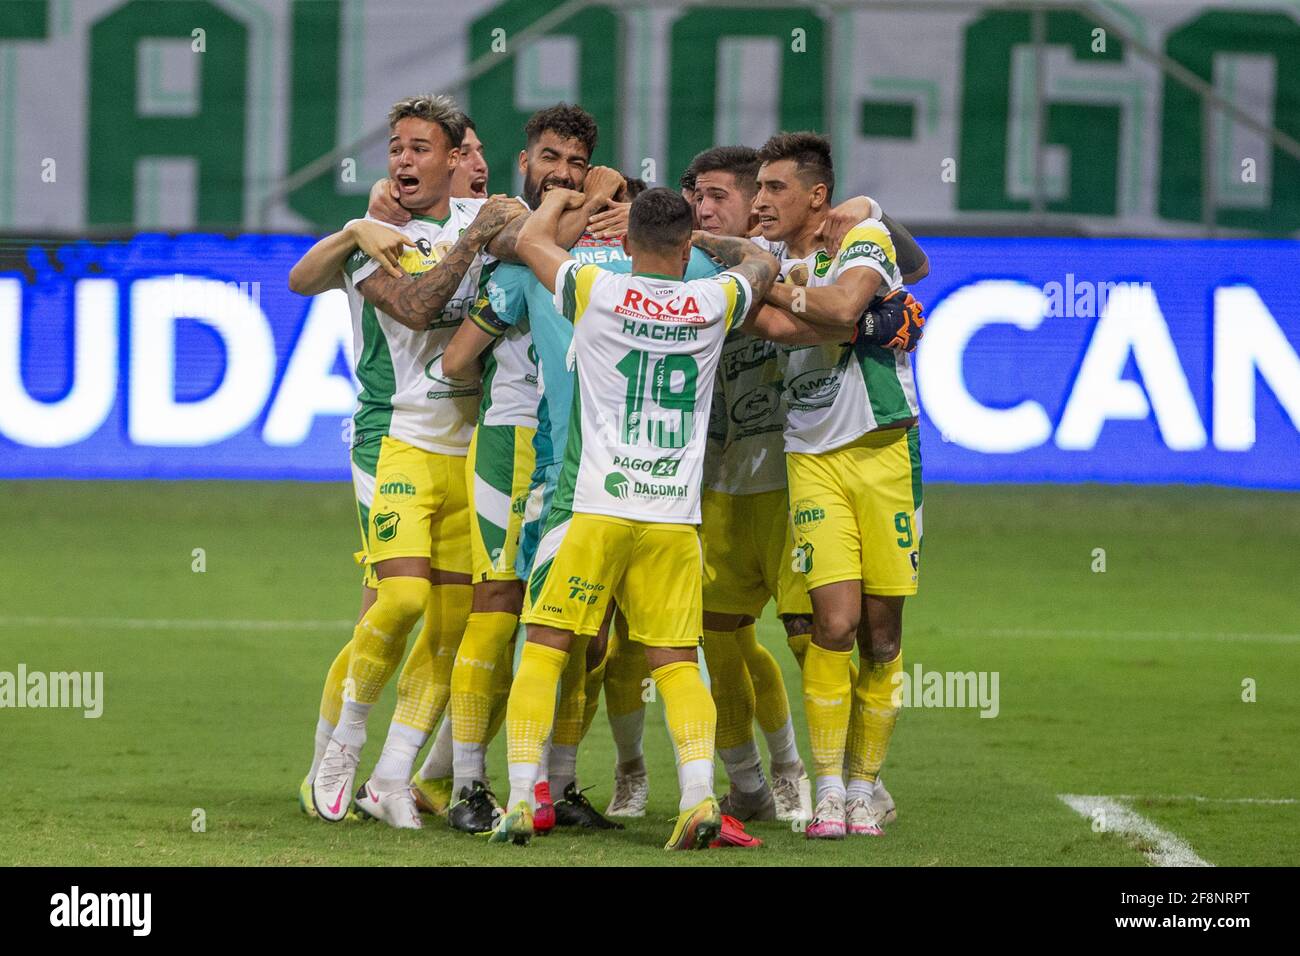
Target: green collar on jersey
x,y
439,222
658,275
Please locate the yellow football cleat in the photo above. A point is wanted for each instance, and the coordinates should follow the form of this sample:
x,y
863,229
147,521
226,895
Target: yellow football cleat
x,y
432,796
304,798
697,827
309,808
514,827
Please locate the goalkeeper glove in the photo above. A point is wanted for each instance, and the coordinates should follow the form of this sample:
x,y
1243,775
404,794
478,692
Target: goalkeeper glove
x,y
893,322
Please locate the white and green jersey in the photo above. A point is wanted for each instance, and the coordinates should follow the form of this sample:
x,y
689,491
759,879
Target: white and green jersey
x,y
403,391
511,389
646,348
746,452
837,393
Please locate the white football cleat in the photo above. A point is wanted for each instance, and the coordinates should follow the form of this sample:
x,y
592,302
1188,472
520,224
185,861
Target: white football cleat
x,y
792,792
828,820
394,805
862,819
631,791
331,791
882,804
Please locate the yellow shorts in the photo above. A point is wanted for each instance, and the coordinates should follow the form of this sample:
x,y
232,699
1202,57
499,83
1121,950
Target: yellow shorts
x,y
651,571
411,503
498,473
748,548
857,512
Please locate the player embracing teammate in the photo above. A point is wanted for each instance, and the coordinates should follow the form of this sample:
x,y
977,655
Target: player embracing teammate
x,y
625,536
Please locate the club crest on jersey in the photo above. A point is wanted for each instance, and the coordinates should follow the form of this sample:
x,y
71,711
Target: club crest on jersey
x,y
386,525
638,305
823,263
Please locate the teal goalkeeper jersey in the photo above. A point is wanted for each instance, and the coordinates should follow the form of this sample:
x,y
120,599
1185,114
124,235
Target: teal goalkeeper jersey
x,y
514,295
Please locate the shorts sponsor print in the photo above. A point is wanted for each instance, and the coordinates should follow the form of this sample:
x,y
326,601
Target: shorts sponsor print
x,y
410,503
652,571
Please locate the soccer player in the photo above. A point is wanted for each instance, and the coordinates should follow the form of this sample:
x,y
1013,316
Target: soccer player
x,y
621,527
745,530
402,436
412,427
854,472
514,296
471,176
558,147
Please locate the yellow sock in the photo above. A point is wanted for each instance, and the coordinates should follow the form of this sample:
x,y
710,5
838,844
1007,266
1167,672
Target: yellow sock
x,y
331,698
425,683
875,713
595,681
531,710
827,703
502,677
693,722
474,675
625,672
798,644
799,648
573,696
380,635
729,683
771,703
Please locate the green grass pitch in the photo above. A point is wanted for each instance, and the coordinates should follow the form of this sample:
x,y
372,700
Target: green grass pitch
x,y
1127,682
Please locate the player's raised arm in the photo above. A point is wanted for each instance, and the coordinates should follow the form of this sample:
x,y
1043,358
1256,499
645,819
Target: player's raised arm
x,y
321,266
537,244
601,185
498,307
415,302
759,268
835,307
913,264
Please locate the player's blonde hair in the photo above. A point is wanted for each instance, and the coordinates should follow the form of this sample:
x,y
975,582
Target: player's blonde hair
x,y
437,108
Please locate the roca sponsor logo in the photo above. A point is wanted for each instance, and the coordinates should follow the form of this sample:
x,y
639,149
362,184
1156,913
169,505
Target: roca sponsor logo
x,y
816,388
675,309
808,514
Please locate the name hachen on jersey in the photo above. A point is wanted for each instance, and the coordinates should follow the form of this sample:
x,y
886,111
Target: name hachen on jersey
x,y
646,349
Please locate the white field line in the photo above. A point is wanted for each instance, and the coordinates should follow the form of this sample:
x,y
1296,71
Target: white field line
x,y
1194,798
173,624
1122,635
234,624
1118,817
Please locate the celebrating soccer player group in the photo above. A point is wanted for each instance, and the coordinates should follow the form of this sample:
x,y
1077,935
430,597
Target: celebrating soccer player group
x,y
626,417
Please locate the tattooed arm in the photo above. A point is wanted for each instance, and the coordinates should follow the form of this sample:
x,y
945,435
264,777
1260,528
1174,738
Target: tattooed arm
x,y
416,302
740,255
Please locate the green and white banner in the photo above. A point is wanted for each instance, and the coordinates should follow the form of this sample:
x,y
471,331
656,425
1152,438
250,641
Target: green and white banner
x,y
193,114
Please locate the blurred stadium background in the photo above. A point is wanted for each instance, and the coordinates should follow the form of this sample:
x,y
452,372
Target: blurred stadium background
x,y
1109,194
